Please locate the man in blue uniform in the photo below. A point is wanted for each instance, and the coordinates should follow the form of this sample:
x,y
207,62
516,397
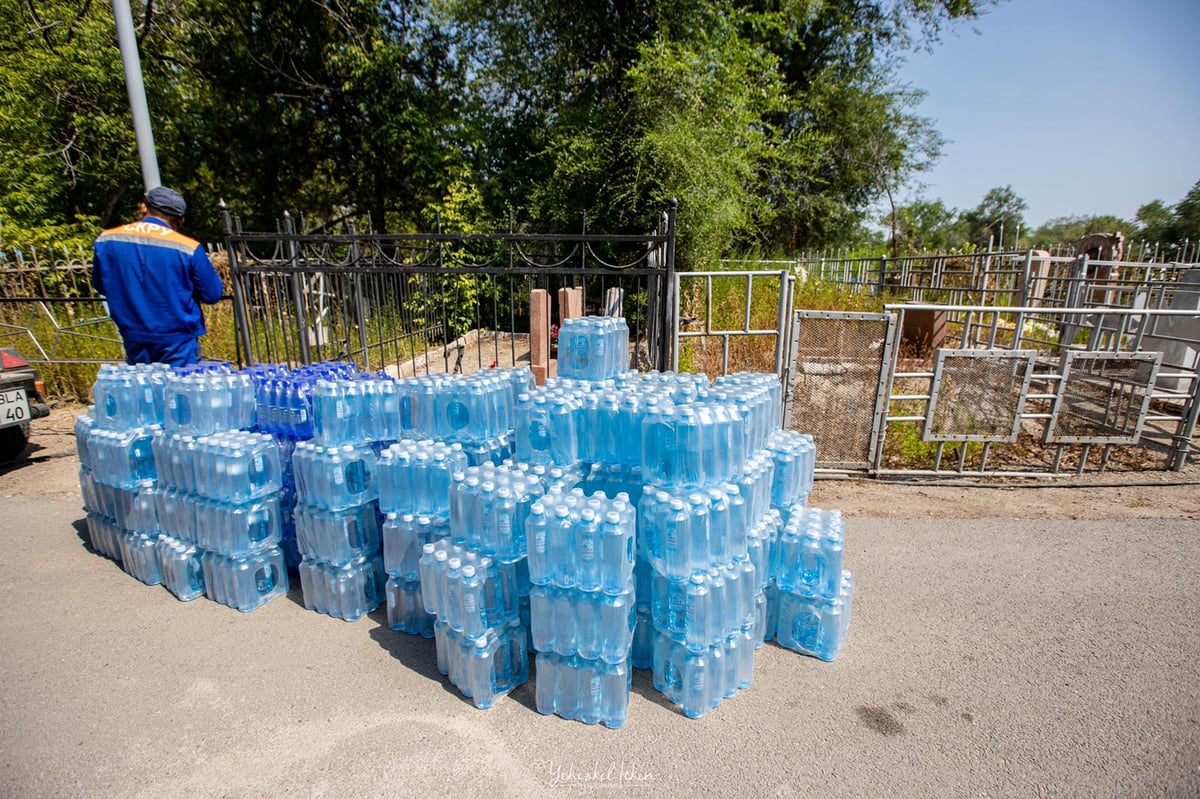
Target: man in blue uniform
x,y
154,279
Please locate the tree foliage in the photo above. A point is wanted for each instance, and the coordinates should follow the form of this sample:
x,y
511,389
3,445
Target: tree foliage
x,y
1069,229
1176,224
776,123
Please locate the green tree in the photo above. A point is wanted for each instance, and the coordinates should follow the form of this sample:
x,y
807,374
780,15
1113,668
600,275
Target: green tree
x,y
926,225
996,219
1186,222
1154,221
797,97
1070,229
318,106
67,155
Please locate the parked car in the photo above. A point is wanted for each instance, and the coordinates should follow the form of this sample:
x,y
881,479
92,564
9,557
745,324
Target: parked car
x,y
22,399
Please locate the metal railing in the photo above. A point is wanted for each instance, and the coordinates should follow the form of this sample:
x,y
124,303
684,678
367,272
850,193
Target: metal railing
x,y
1007,393
418,302
745,313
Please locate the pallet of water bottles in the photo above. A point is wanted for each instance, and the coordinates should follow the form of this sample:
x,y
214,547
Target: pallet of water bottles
x,y
608,520
226,461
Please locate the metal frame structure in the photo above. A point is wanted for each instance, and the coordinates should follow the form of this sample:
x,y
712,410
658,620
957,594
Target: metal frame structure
x,y
1167,417
870,354
710,324
1116,387
940,395
388,299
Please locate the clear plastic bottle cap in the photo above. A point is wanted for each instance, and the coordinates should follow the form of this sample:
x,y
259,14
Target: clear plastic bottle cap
x,y
468,570
428,549
454,563
697,578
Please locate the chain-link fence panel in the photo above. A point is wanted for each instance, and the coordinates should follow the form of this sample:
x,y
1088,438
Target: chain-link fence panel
x,y
835,383
1104,398
978,395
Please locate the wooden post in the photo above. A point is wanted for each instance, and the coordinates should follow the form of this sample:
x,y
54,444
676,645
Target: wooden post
x,y
570,303
539,334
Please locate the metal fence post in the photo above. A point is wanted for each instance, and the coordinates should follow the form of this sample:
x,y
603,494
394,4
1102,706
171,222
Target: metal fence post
x,y
782,315
360,315
669,316
289,229
240,321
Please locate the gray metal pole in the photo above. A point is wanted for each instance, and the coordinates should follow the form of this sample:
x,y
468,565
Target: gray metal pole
x,y
136,89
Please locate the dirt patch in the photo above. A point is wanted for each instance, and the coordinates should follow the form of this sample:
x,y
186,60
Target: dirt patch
x,y
478,349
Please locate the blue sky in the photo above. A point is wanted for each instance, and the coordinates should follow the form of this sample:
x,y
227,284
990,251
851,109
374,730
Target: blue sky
x,y
1082,106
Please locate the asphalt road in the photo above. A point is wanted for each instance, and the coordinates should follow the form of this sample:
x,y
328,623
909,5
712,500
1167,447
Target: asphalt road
x,y
990,657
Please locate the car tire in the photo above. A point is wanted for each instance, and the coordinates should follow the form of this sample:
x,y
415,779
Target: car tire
x,y
13,441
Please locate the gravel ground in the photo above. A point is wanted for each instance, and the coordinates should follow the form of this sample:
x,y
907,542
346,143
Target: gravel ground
x,y
1005,641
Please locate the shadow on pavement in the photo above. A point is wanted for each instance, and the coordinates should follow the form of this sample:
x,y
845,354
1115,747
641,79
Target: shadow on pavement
x,y
415,653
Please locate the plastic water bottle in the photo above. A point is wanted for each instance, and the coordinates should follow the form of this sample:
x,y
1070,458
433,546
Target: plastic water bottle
x,y
138,557
345,591
335,477
406,611
244,583
237,530
179,563
338,411
810,552
338,536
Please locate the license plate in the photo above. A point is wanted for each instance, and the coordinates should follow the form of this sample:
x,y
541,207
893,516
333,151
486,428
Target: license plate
x,y
14,407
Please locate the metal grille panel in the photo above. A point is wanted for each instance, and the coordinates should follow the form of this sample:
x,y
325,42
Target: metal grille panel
x,y
838,360
1104,398
978,395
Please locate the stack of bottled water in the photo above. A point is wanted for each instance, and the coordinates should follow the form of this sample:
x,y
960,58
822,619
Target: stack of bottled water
x,y
480,640
593,347
218,511
217,501
703,590
283,397
414,496
348,411
202,403
646,521
129,396
337,528
706,531
794,455
581,558
813,594
206,520
610,421
547,427
116,475
475,411
284,410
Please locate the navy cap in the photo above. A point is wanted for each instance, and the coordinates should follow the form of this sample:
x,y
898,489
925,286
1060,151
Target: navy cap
x,y
168,200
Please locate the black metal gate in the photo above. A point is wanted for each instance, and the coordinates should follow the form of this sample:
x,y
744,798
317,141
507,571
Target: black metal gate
x,y
415,303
